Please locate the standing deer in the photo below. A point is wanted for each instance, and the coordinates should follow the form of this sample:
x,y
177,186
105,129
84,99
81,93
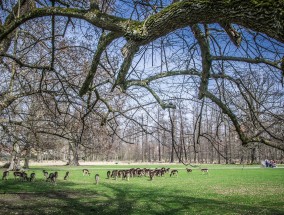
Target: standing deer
x,y
55,176
114,174
45,173
66,175
108,174
32,177
5,175
152,174
97,178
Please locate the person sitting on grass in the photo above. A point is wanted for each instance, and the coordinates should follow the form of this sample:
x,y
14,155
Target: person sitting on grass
x,y
270,163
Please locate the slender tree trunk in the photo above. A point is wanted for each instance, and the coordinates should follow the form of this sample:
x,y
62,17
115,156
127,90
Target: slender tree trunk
x,y
27,158
159,141
143,154
181,138
173,138
159,148
219,156
195,156
253,152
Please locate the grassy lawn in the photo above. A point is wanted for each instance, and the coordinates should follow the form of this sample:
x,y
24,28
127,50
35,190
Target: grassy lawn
x,y
228,189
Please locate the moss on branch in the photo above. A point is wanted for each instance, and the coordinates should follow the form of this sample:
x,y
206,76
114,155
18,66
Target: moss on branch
x,y
266,16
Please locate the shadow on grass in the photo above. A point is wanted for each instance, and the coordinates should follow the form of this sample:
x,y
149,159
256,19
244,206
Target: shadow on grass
x,y
119,198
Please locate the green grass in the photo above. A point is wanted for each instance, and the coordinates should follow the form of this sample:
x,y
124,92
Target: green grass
x,y
226,189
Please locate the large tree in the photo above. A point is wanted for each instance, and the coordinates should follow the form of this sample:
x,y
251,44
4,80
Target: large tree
x,y
141,46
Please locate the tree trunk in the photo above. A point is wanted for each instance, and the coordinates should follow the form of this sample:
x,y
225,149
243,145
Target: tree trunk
x,y
15,162
159,141
143,153
173,138
74,159
27,159
219,156
253,152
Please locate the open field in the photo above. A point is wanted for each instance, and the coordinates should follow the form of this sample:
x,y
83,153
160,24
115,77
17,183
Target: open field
x,y
227,189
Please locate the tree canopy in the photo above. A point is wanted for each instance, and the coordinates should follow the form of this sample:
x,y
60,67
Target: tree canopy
x,y
93,55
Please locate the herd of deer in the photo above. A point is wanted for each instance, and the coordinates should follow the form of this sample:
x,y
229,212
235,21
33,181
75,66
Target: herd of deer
x,y
124,174
23,176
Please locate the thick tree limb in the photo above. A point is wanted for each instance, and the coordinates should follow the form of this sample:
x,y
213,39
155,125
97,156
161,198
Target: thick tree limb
x,y
259,15
155,95
52,38
282,70
145,83
247,60
133,82
277,145
20,8
128,51
244,138
235,36
230,114
206,59
104,41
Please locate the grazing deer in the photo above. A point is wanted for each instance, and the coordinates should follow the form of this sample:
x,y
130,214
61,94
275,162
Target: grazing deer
x,y
204,170
22,175
5,175
174,172
66,175
97,178
140,172
146,172
151,175
126,175
52,177
32,177
188,170
17,174
108,174
45,173
114,174
86,172
132,170
120,173
163,172
56,175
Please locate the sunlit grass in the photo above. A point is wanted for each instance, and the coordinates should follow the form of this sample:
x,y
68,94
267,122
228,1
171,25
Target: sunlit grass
x,y
225,190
